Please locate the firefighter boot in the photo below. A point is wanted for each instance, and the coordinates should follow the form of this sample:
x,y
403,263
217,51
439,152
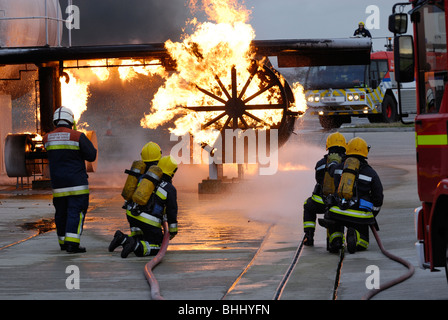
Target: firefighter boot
x,y
308,240
129,246
74,248
335,245
351,240
118,240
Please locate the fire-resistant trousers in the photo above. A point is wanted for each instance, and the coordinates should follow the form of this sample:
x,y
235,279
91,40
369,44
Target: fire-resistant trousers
x,y
313,205
69,217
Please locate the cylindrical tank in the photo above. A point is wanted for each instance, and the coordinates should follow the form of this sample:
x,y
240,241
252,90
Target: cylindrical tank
x,y
29,32
26,33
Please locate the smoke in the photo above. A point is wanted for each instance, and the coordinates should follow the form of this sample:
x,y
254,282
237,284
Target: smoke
x,y
105,22
270,198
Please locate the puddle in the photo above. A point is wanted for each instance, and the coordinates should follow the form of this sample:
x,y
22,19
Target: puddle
x,y
42,226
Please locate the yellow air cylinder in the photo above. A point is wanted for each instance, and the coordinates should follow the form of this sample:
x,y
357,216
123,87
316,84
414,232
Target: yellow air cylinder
x,y
147,185
348,178
137,169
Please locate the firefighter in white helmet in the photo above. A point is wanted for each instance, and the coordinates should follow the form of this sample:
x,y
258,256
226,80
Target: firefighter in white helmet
x,y
357,200
67,151
315,204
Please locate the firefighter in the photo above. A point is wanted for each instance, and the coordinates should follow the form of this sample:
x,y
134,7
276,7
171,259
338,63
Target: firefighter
x,y
147,219
67,151
357,201
315,204
362,31
150,154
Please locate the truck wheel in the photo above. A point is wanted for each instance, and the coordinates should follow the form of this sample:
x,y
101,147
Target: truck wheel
x,y
389,108
330,122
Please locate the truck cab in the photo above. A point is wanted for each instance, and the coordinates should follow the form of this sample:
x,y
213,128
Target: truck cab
x,y
337,93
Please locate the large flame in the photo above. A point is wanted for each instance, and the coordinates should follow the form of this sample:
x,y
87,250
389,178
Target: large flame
x,y
203,59
75,84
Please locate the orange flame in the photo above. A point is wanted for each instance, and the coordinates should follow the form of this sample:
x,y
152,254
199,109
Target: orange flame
x,y
204,60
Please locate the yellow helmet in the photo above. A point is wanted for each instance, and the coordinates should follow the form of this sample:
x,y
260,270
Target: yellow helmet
x,y
168,165
336,139
151,152
361,24
357,146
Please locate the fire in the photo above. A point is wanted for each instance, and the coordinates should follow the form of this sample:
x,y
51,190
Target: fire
x,y
75,85
74,95
288,166
204,64
215,68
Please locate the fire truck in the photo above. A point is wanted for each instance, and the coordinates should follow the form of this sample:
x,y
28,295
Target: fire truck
x,y
337,93
423,56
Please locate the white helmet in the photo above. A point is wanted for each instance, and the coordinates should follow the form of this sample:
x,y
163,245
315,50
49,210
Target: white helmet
x,y
63,113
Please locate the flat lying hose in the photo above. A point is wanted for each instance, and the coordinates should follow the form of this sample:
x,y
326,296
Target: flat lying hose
x,y
392,257
155,289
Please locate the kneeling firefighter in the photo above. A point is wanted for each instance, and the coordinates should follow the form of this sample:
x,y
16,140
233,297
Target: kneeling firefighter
x,y
146,219
356,203
315,204
150,156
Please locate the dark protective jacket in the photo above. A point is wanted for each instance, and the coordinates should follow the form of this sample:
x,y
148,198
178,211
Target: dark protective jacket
x,y
67,151
165,202
364,33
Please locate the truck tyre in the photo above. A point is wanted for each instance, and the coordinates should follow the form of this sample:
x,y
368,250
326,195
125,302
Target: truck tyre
x,y
389,107
330,122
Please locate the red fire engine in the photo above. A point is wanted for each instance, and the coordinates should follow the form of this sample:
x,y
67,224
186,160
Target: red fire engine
x,y
424,57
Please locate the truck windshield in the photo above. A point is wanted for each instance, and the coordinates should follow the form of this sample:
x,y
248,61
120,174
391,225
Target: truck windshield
x,y
432,65
336,77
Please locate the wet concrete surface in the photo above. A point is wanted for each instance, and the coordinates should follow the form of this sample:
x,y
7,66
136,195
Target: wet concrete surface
x,y
234,247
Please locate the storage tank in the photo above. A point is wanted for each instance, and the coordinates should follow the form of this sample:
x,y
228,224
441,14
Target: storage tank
x,y
30,32
26,33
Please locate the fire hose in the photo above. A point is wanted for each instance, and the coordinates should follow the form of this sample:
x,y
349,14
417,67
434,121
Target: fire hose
x,y
393,282
152,281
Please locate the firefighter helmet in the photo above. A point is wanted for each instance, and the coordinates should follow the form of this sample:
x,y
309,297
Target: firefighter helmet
x,y
357,146
168,165
151,152
63,114
336,139
361,24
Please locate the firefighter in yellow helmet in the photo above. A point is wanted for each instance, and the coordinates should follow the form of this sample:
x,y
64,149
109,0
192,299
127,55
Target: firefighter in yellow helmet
x,y
315,204
362,31
150,155
357,201
148,218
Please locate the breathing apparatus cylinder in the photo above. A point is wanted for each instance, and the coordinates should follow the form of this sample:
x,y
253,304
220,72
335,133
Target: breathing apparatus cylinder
x,y
328,182
348,178
147,185
137,169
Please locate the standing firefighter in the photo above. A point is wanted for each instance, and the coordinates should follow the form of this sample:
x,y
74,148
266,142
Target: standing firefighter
x,y
357,201
315,204
67,151
147,210
362,31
